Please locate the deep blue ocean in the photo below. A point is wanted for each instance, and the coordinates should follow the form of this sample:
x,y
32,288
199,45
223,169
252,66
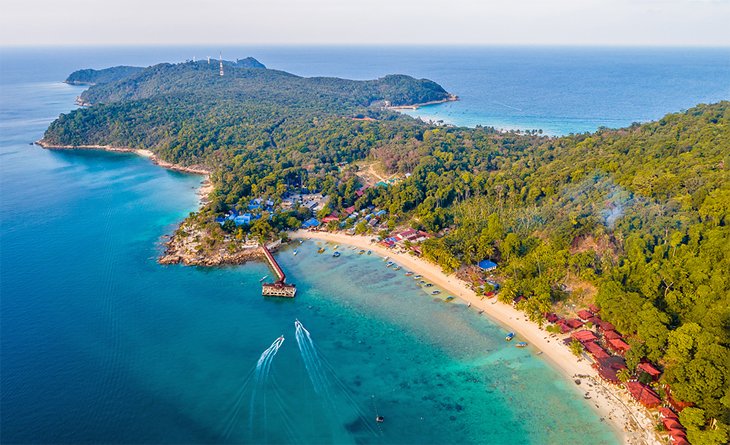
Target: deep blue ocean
x,y
100,344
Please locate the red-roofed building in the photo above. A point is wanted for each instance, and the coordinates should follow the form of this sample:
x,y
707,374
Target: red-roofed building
x,y
667,413
611,335
574,323
593,308
649,369
584,336
609,367
644,395
673,432
518,299
564,328
585,315
606,326
552,317
617,345
679,441
329,218
595,320
596,351
359,192
672,424
350,210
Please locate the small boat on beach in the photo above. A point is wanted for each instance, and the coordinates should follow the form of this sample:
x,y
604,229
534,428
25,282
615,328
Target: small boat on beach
x,y
409,273
361,252
521,344
321,250
336,254
386,258
436,292
370,252
295,252
428,285
389,264
510,336
396,268
450,297
417,277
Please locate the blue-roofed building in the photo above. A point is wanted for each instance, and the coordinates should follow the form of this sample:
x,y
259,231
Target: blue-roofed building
x,y
311,222
487,265
380,213
242,219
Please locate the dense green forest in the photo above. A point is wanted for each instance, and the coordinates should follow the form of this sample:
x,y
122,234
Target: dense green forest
x,y
641,214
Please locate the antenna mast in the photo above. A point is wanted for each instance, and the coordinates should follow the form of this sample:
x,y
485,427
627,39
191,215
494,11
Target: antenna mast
x,y
220,62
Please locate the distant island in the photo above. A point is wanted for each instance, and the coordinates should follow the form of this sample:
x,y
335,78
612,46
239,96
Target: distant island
x,y
621,233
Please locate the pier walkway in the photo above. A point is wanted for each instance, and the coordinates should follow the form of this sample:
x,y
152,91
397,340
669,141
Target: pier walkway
x,y
279,288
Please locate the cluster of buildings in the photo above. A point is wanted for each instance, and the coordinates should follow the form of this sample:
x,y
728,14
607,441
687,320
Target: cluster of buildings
x,y
370,216
606,348
399,239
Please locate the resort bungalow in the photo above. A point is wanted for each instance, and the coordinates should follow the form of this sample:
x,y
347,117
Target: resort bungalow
x,y
667,413
585,315
648,368
644,395
574,323
593,308
596,351
609,367
310,223
606,326
609,335
487,265
618,346
584,336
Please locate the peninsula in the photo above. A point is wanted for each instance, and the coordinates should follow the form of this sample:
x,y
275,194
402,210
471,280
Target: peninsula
x,y
614,241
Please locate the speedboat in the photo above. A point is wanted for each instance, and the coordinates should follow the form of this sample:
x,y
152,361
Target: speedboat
x,y
409,273
521,344
295,252
510,336
263,278
336,254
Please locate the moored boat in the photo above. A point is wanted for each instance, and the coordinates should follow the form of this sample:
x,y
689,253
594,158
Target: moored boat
x,y
521,344
296,252
321,250
336,254
370,252
510,336
361,252
409,273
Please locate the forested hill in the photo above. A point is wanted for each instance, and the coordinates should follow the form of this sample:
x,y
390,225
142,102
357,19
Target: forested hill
x,y
249,81
93,77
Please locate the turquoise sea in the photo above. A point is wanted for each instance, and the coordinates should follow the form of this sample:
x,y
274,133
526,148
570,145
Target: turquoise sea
x,y
100,344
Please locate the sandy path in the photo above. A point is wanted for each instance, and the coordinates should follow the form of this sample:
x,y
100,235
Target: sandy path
x,y
629,419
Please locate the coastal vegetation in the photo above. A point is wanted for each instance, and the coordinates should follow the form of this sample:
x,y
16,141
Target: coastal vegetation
x,y
636,220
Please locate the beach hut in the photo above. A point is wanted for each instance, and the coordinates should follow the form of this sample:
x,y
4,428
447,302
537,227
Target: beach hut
x,y
310,223
649,369
584,336
552,317
564,328
609,335
617,345
644,395
606,326
672,424
585,315
487,265
574,323
593,308
667,413
596,351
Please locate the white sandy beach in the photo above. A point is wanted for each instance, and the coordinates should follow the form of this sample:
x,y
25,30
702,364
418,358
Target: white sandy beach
x,y
630,419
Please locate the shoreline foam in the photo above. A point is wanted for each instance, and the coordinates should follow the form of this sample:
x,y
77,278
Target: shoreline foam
x,y
629,420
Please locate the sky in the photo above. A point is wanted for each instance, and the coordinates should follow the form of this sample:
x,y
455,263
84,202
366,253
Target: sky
x,y
365,22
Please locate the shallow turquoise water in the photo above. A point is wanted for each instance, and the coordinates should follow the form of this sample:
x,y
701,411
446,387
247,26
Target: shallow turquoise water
x,y
101,344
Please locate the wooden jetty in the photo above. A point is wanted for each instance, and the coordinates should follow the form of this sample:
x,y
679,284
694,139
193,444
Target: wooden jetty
x,y
279,288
